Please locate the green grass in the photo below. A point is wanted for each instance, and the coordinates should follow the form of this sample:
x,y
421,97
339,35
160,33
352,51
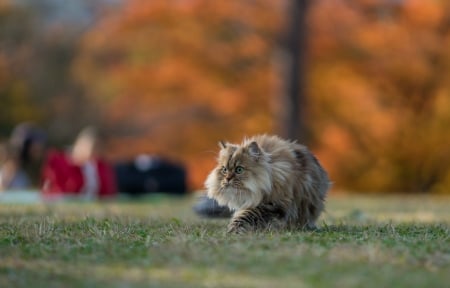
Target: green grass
x,y
363,242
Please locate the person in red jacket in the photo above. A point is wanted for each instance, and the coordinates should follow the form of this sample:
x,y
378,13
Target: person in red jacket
x,y
81,173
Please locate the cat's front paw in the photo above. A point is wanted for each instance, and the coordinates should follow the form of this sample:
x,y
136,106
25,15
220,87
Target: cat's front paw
x,y
237,228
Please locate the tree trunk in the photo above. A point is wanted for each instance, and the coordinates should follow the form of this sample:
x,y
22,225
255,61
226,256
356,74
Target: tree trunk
x,y
292,110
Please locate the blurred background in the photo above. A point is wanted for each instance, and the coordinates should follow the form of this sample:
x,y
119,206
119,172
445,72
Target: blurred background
x,y
364,83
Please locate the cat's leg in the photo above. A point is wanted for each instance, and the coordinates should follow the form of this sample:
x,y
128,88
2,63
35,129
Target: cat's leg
x,y
305,224
311,226
309,212
261,217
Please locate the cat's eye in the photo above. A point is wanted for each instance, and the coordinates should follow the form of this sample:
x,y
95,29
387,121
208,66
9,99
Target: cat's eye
x,y
223,170
239,170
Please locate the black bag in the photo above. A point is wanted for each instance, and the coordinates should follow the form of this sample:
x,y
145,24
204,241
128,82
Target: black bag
x,y
148,174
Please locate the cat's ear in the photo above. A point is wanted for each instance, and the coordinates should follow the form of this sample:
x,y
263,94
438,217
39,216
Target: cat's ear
x,y
254,149
222,144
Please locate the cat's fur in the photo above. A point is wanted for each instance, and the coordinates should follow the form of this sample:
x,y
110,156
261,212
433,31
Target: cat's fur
x,y
269,183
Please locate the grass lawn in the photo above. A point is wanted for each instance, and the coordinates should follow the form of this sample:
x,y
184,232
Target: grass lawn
x,y
363,242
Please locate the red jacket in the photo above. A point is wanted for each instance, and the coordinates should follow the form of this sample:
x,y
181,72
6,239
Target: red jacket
x,y
60,176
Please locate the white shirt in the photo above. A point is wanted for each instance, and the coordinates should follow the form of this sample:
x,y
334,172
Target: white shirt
x,y
91,182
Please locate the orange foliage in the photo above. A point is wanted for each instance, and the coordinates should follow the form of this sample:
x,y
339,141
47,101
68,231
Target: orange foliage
x,y
378,72
185,74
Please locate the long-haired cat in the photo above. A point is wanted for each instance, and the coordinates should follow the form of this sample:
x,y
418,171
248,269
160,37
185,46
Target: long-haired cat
x,y
269,183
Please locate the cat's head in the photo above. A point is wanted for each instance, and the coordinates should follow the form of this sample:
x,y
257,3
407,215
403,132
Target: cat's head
x,y
242,176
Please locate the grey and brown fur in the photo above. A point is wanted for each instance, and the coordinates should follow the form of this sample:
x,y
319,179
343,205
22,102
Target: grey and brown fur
x,y
270,183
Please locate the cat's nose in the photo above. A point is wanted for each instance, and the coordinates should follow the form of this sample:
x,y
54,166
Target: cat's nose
x,y
229,176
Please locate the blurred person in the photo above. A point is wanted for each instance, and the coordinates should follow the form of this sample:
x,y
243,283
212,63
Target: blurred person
x,y
81,172
22,158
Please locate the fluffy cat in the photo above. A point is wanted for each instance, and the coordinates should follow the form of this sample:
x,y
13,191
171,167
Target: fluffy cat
x,y
270,183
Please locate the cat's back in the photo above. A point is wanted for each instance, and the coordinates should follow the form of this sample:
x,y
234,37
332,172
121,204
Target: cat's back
x,y
275,146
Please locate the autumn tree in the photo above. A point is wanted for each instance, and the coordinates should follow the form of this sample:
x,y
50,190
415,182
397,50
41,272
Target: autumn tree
x,y
15,95
379,82
37,47
174,77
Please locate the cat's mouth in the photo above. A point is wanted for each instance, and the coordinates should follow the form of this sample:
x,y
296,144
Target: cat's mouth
x,y
226,184
230,184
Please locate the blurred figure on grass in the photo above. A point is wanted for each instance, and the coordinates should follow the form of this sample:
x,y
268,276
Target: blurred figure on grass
x,y
79,173
21,158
